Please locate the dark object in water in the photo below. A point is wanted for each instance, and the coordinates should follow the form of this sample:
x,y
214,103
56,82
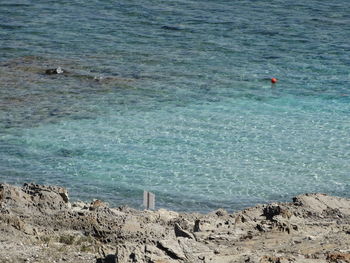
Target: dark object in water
x,y
171,28
58,70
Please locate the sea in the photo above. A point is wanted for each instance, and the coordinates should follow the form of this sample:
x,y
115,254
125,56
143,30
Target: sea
x,y
175,98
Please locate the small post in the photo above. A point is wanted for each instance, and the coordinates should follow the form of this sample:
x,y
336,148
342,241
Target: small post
x,y
149,200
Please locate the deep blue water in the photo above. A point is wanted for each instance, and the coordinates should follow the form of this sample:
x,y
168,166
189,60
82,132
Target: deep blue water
x,y
175,97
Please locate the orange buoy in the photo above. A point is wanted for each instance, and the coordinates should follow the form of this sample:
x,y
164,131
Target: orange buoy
x,y
273,80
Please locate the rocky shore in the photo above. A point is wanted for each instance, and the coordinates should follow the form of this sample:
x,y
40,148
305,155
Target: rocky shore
x,y
39,224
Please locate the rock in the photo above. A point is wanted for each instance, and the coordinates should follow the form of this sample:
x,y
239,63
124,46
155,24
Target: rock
x,y
339,257
64,196
57,70
221,212
107,259
240,219
172,249
179,232
32,197
274,259
263,227
131,225
38,220
12,194
194,250
98,78
176,28
47,197
166,215
271,210
196,227
130,252
97,204
79,205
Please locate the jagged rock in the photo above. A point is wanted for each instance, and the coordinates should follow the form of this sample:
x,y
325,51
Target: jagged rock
x,y
154,254
130,252
263,227
97,204
122,253
47,197
166,215
240,219
131,225
196,227
221,212
339,257
107,259
39,220
79,205
270,211
274,259
179,232
194,250
172,249
32,196
309,200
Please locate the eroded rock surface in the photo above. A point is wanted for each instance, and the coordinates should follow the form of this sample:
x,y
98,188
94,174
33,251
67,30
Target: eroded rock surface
x,y
39,224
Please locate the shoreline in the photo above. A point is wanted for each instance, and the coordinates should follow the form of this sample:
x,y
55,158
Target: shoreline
x,y
39,224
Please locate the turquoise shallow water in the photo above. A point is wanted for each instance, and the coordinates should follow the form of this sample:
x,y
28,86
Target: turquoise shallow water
x,y
175,98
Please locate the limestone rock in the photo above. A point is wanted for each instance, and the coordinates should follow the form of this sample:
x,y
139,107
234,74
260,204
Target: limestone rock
x,y
38,223
271,210
221,212
166,215
339,257
179,232
172,249
97,204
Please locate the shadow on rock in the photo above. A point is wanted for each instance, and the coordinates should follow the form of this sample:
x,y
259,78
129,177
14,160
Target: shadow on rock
x,y
107,259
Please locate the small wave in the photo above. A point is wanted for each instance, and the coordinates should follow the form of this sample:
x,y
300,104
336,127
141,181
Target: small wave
x,y
15,5
10,27
175,28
